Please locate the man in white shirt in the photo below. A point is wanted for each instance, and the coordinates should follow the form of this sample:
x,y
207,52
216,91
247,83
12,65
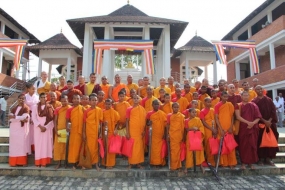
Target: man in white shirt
x,y
278,111
3,108
42,85
281,100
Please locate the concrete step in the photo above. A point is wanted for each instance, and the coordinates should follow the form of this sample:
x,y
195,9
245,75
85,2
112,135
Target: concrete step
x,y
281,140
281,147
280,157
123,172
4,139
4,147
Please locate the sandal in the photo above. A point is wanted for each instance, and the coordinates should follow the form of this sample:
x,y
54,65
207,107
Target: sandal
x,y
270,162
260,163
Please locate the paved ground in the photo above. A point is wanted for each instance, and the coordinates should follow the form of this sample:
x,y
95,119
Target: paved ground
x,y
49,183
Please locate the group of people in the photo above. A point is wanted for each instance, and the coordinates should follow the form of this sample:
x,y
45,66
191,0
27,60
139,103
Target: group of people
x,y
129,110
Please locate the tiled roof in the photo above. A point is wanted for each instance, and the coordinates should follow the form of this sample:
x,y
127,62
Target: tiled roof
x,y
32,39
128,14
59,41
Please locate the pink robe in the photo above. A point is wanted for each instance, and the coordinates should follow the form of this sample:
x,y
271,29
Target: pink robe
x,y
30,102
43,140
19,144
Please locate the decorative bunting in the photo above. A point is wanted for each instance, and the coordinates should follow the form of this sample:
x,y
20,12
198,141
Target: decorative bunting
x,y
19,45
250,45
129,45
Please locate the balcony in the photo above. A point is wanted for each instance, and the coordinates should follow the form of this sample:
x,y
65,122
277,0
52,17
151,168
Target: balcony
x,y
265,33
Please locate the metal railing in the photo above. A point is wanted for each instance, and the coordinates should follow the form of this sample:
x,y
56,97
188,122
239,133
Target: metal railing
x,y
176,76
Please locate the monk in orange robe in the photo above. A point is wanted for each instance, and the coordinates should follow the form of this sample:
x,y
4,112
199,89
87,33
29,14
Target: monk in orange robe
x,y
85,102
101,101
162,83
53,100
130,100
207,116
92,120
135,125
110,118
182,101
74,115
170,81
53,89
167,106
121,107
215,99
175,128
115,89
252,93
203,95
147,101
194,104
105,87
142,91
130,84
59,148
194,124
157,119
187,94
196,97
224,118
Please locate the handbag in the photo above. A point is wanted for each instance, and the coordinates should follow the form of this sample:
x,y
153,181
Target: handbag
x,y
230,142
268,139
115,143
127,147
195,140
101,144
214,145
182,151
85,157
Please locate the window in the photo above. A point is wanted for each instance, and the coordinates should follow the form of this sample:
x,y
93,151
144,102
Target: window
x,y
243,36
244,70
258,26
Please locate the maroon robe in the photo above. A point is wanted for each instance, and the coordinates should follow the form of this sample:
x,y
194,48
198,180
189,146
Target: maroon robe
x,y
267,110
248,137
234,99
81,88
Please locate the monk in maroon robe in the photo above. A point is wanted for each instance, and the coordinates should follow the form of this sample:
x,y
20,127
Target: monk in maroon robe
x,y
269,118
248,114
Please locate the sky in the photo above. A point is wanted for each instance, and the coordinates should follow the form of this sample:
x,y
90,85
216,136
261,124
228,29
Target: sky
x,y
211,19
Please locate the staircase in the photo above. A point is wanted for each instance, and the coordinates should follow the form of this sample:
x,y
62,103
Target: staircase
x,y
120,170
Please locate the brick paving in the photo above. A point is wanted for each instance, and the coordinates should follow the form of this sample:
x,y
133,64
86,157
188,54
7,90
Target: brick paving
x,y
232,182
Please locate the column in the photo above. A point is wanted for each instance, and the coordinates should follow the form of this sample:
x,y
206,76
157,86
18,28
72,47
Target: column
x,y
68,68
249,32
251,68
24,71
86,55
269,17
166,52
146,36
206,72
274,93
2,27
186,67
17,73
40,67
237,70
75,70
107,57
215,72
1,60
49,71
272,56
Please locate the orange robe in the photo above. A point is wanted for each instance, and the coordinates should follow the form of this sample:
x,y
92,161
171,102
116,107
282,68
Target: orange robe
x,y
75,114
105,89
252,95
187,114
87,107
112,117
176,132
58,147
208,115
142,91
58,94
225,114
199,105
202,98
214,102
147,103
55,104
92,118
158,128
121,108
44,89
101,105
117,89
156,91
167,108
133,86
136,116
183,103
189,96
131,101
195,122
172,88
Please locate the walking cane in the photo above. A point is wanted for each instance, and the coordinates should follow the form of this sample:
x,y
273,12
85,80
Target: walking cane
x,y
99,156
106,142
67,145
168,146
219,153
149,141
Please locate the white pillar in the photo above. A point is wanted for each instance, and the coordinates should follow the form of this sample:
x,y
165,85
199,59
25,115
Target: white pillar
x,y
269,16
49,71
237,70
206,72
17,73
146,36
24,71
1,60
215,72
68,68
249,32
106,70
75,70
272,56
274,93
111,65
86,51
2,27
251,67
166,52
40,66
186,66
